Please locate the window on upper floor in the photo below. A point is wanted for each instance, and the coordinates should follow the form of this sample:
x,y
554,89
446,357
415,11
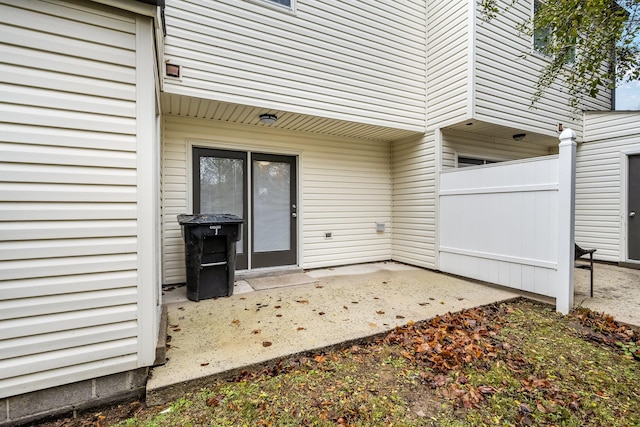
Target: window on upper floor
x,y
286,3
542,36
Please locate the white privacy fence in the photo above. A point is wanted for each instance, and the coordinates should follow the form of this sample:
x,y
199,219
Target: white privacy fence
x,y
512,223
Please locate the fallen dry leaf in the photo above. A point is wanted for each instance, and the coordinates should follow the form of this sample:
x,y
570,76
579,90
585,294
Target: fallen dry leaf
x,y
524,408
266,343
235,321
484,389
303,301
214,401
440,380
449,341
256,331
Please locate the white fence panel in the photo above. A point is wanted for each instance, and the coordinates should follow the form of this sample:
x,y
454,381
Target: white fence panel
x,y
498,223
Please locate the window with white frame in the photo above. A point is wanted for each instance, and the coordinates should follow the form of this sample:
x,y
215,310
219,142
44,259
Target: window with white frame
x,y
286,3
542,36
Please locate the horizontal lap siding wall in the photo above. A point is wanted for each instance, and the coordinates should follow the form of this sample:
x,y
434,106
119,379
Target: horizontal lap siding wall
x,y
414,204
505,81
345,190
448,62
600,223
68,241
349,60
470,145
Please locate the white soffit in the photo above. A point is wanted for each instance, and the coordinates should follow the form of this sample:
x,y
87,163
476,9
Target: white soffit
x,y
184,106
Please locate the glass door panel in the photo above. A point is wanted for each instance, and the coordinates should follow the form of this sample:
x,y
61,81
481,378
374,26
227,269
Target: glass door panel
x,y
271,206
220,188
274,210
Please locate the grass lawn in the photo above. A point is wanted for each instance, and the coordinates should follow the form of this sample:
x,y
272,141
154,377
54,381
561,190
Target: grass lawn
x,y
514,364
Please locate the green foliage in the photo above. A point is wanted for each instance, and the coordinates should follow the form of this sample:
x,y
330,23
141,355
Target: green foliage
x,y
602,33
394,361
630,349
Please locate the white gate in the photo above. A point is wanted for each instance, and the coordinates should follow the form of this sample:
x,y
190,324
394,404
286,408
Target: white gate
x,y
511,224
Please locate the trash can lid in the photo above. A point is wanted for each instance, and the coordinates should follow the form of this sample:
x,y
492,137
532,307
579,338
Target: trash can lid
x,y
206,218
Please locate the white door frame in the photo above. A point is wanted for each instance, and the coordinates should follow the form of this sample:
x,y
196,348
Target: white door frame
x,y
250,149
624,202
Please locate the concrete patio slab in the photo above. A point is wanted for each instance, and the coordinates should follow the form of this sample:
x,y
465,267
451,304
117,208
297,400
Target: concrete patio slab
x,y
217,336
225,335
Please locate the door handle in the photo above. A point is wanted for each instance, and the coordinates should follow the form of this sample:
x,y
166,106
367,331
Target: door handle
x,y
632,214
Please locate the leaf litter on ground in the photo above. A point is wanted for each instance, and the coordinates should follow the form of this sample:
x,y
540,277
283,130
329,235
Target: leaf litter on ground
x,y
517,363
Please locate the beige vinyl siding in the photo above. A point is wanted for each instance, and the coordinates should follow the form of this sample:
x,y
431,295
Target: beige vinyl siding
x,y
466,144
505,82
351,60
68,263
345,188
448,56
414,209
600,224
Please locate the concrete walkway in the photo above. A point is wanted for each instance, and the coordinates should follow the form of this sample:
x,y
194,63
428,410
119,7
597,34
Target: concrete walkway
x,y
298,312
616,291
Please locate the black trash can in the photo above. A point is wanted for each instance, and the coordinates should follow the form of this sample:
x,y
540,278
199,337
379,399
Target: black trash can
x,y
210,254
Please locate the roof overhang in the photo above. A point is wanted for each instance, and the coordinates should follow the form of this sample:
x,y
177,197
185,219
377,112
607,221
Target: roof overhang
x,y
186,106
492,131
141,7
154,2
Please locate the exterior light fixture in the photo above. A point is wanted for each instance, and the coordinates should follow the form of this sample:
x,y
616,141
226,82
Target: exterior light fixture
x,y
519,136
268,119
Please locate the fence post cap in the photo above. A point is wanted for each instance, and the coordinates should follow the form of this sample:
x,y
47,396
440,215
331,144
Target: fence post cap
x,y
568,134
